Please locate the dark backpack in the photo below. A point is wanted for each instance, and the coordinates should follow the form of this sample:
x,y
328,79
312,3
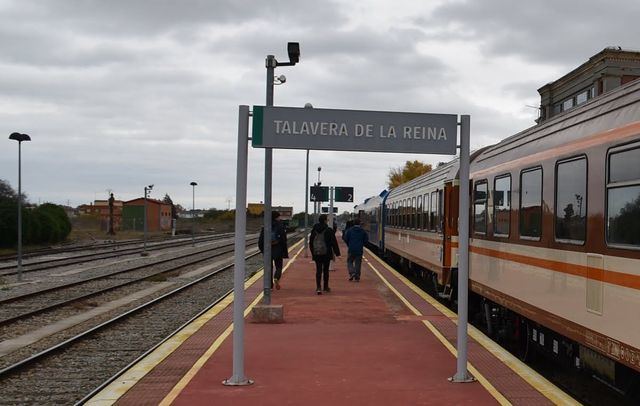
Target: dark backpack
x,y
320,244
275,238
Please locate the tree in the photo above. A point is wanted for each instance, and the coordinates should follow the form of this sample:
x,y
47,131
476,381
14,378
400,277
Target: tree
x,y
6,191
167,200
410,170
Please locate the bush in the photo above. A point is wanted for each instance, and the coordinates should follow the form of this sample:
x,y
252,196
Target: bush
x,y
47,223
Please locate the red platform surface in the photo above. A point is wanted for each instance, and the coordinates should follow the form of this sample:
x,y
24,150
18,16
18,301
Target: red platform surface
x,y
357,345
354,345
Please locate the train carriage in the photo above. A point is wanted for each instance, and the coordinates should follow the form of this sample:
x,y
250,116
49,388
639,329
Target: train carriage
x,y
554,235
372,214
420,226
555,229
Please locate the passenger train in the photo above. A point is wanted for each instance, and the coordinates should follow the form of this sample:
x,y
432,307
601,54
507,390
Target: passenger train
x,y
554,262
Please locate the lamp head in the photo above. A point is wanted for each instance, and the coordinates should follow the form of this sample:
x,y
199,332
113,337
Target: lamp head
x,y
150,187
293,48
194,184
19,137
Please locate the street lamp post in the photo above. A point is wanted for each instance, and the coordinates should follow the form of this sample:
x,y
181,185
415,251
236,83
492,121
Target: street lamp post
x,y
318,202
193,213
293,49
19,137
147,190
306,199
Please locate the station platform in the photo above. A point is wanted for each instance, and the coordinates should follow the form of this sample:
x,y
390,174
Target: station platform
x,y
379,341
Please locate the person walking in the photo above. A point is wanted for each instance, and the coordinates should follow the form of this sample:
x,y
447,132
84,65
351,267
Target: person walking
x,y
355,237
279,249
323,246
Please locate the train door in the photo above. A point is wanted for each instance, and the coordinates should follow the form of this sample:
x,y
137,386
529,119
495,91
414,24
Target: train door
x,y
449,229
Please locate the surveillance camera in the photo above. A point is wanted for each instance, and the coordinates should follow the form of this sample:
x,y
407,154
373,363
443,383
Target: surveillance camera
x,y
282,79
308,106
293,49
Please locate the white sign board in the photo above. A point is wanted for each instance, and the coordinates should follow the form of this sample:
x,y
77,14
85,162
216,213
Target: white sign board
x,y
354,130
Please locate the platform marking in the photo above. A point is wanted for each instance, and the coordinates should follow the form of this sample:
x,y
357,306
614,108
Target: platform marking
x,y
541,384
115,390
481,379
179,387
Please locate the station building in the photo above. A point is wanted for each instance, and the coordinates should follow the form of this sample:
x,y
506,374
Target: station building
x,y
608,69
158,215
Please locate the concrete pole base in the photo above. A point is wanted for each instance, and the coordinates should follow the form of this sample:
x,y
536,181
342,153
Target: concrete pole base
x,y
237,382
465,379
267,313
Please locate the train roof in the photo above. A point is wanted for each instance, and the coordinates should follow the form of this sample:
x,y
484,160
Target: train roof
x,y
436,177
613,109
372,202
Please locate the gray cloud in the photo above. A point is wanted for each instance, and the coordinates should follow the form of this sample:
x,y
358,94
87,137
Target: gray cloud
x,y
121,94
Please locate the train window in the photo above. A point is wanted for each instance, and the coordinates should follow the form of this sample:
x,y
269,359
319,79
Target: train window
x,y
480,207
414,212
623,198
433,213
419,214
405,214
502,206
571,201
392,214
440,209
623,166
531,203
425,214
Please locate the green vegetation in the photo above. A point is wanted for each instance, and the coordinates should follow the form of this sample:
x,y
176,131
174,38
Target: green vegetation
x,y
410,170
47,223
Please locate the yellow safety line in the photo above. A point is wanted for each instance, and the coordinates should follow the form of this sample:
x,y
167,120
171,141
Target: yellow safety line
x,y
483,381
179,387
133,375
541,384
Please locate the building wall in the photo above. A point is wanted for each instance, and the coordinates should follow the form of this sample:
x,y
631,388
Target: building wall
x,y
158,215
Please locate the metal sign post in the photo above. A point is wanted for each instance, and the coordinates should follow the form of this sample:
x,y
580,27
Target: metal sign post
x,y
331,190
463,253
238,378
306,209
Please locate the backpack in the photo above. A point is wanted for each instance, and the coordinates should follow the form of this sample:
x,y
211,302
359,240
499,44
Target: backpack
x,y
275,238
320,244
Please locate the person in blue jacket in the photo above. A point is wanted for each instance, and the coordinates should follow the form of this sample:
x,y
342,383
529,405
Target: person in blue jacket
x,y
355,238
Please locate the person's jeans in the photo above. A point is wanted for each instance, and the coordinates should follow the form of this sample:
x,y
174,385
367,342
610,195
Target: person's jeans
x,y
277,268
354,263
322,272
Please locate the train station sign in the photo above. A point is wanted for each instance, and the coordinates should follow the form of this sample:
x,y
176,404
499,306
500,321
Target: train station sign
x,y
343,193
319,194
354,130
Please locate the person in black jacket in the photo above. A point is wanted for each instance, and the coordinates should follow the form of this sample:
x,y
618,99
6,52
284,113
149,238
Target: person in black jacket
x,y
279,249
323,245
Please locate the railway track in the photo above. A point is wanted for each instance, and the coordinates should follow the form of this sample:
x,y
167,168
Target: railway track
x,y
16,308
66,371
51,263
107,245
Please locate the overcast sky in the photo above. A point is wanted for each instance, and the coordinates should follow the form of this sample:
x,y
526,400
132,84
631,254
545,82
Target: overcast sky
x,y
117,95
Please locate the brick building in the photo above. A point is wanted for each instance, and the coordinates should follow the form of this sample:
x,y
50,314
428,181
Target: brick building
x,y
158,215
